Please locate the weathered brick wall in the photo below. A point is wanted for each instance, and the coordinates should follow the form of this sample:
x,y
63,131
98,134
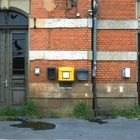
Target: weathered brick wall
x,y
75,39
116,40
58,39
116,9
80,38
56,8
61,39
111,72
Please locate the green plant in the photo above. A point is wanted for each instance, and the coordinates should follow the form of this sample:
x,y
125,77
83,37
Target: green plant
x,y
8,111
28,109
54,115
132,112
114,114
81,111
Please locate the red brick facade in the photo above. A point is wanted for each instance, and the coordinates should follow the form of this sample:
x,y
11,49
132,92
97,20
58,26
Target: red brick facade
x,y
110,72
61,39
39,10
116,9
116,40
80,39
40,34
108,9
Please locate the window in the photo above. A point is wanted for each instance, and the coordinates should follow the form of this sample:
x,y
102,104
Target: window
x,y
12,18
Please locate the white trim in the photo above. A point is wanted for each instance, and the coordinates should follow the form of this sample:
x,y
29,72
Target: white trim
x,y
116,56
59,55
67,23
84,23
82,55
117,24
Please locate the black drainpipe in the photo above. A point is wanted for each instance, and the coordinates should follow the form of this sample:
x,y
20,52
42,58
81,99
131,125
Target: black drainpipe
x,y
94,51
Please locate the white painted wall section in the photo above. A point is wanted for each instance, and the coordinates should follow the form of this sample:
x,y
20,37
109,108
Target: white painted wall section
x,y
117,24
117,56
82,55
84,23
67,23
59,55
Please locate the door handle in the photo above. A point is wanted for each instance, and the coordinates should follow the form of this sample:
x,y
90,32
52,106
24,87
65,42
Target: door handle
x,y
5,82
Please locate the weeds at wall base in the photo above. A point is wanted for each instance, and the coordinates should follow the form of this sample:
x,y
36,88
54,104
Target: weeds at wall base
x,y
27,110
129,112
81,111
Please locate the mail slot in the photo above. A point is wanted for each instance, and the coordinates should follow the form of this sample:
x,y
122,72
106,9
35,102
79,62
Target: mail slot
x,y
65,74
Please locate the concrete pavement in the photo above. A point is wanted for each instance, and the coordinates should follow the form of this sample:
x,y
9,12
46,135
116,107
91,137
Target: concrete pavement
x,y
73,129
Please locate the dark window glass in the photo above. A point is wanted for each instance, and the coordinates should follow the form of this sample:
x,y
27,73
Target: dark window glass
x,y
2,20
17,19
12,18
18,51
18,45
18,65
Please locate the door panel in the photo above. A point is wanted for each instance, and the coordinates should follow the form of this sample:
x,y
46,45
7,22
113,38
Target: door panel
x,y
3,71
19,43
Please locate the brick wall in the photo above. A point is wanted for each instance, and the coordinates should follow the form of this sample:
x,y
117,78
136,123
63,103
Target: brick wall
x,y
58,39
56,8
111,72
61,39
116,9
80,38
116,40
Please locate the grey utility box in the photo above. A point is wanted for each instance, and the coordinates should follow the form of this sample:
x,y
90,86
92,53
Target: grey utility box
x,y
82,74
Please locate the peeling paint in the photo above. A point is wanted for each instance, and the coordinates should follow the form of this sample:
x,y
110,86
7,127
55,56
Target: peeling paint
x,y
49,5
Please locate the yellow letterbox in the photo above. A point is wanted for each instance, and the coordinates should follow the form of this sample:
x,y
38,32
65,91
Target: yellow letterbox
x,y
65,74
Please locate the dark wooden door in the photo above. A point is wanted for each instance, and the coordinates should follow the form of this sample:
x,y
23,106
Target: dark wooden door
x,y
13,58
13,63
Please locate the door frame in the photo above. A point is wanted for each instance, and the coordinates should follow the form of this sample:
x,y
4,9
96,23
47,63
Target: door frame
x,y
11,30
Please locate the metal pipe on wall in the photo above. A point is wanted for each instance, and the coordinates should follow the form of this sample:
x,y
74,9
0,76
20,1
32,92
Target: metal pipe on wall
x,y
94,52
